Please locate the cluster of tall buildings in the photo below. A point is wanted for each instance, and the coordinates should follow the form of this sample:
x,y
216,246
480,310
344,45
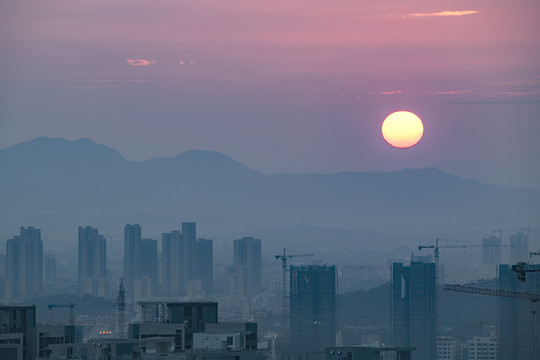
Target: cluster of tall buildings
x,y
187,265
415,306
22,266
492,249
183,267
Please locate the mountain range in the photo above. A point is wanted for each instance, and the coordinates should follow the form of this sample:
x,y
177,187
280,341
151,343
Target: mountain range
x,y
55,183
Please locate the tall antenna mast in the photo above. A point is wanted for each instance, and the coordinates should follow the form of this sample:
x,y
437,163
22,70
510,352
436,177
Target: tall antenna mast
x,y
121,305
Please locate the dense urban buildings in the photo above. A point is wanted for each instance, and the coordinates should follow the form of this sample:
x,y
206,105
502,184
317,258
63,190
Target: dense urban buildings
x,y
414,314
182,319
312,307
519,323
178,318
24,263
368,353
92,262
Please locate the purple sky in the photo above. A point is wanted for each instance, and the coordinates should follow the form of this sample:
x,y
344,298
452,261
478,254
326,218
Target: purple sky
x,y
282,86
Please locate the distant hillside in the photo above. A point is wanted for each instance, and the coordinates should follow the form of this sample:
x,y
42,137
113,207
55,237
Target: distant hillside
x,y
58,184
462,314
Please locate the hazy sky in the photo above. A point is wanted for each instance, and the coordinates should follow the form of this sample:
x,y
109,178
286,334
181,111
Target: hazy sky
x,y
282,86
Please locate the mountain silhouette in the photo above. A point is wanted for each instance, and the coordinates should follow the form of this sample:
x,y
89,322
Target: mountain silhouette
x,y
49,182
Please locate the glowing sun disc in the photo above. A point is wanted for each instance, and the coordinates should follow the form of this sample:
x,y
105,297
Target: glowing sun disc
x,y
402,129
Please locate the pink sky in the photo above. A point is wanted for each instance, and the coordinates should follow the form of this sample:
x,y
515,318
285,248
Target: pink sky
x,y
282,85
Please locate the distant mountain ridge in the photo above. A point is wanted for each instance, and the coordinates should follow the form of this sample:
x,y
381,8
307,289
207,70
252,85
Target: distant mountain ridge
x,y
82,182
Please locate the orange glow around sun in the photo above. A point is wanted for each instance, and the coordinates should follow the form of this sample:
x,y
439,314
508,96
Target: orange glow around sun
x,y
402,129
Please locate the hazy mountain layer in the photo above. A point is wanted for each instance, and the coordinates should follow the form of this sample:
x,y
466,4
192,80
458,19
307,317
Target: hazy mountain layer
x,y
57,184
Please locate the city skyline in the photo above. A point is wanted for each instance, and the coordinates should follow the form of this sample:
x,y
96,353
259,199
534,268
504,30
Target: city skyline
x,y
285,180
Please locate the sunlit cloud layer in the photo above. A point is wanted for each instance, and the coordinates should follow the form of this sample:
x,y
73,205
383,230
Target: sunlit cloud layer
x,y
140,62
445,13
392,92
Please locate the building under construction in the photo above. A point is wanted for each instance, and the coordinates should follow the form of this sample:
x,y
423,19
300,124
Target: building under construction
x,y
313,307
519,324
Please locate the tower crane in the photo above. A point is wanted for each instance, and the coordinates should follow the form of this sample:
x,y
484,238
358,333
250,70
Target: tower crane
x,y
284,258
522,268
436,248
533,298
71,311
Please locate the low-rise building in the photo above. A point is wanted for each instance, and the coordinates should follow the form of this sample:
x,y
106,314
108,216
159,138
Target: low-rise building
x,y
448,348
482,348
18,333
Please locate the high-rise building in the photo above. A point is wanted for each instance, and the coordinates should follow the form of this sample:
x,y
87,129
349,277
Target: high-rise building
x,y
491,250
180,260
5,282
49,268
247,256
146,281
206,264
189,256
414,308
3,265
92,262
140,263
24,260
132,243
519,247
518,319
312,307
171,282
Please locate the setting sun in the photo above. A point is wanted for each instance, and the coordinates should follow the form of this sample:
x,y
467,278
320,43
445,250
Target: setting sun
x,y
402,129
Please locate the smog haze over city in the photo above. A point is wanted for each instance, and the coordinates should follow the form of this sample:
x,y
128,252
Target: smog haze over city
x,y
221,168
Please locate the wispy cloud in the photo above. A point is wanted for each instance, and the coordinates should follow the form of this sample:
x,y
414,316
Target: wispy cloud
x,y
140,62
504,91
391,92
452,92
119,80
444,13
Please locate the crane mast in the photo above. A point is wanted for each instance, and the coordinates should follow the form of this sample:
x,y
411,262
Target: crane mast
x,y
436,248
284,257
121,305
